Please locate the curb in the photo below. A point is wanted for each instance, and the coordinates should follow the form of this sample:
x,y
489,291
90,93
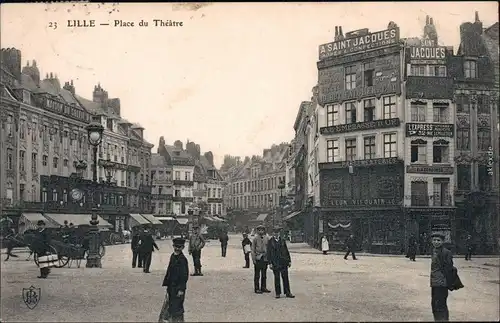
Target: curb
x,y
305,252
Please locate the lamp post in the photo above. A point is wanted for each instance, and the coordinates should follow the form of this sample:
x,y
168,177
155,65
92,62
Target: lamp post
x,y
270,198
109,168
94,131
281,186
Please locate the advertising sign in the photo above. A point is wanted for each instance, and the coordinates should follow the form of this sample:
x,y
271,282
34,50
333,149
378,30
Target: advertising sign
x,y
429,130
435,55
359,44
358,126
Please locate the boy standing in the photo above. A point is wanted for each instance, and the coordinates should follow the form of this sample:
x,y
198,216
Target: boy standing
x,y
196,243
441,267
175,280
246,250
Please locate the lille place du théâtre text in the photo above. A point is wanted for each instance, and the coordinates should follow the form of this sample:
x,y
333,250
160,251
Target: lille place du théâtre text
x,y
84,23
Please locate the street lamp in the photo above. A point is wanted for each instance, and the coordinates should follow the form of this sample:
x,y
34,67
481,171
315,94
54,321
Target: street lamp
x,y
281,186
80,166
94,131
109,168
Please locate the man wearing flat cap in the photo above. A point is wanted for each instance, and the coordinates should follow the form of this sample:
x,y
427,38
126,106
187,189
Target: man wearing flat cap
x,y
279,261
441,269
259,258
196,243
175,280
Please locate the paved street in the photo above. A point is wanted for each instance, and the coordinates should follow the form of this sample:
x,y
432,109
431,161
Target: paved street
x,y
327,288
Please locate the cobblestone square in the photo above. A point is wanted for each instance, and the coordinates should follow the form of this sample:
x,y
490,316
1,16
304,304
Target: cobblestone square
x,y
327,288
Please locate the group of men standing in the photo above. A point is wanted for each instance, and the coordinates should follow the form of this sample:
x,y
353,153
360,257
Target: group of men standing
x,y
143,246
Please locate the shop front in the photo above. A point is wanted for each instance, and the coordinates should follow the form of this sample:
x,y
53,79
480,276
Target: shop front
x,y
429,220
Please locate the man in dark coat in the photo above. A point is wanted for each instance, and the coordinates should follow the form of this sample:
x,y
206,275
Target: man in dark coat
x,y
441,269
468,247
147,246
279,261
246,242
196,243
412,247
41,246
134,244
175,280
224,238
351,247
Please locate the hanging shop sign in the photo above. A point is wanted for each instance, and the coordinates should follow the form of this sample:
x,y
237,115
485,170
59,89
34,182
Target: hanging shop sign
x,y
429,130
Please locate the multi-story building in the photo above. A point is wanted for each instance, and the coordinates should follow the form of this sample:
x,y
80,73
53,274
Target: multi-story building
x,y
162,192
44,139
430,136
475,71
361,139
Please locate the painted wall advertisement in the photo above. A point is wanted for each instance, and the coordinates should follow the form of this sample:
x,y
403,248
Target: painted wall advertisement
x,y
359,44
429,130
386,72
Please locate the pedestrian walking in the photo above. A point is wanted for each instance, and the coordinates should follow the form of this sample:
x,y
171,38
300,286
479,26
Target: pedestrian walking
x,y
147,246
224,238
42,246
196,244
412,248
247,249
468,247
325,245
351,246
259,259
176,282
441,269
279,261
134,245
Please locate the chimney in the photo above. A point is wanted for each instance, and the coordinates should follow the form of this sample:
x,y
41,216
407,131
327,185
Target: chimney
x,y
11,57
178,145
99,95
210,157
341,34
336,32
68,86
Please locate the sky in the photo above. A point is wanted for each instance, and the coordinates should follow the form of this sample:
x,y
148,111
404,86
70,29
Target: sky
x,y
230,79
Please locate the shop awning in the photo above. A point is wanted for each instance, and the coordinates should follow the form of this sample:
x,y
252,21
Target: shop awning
x,y
262,217
339,225
290,216
164,218
219,219
182,220
30,221
77,219
137,219
151,218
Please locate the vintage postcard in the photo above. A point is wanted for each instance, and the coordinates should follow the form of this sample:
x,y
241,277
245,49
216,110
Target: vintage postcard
x,y
249,162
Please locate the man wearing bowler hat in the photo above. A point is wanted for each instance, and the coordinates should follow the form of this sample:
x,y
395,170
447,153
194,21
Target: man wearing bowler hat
x,y
196,243
441,267
279,261
42,246
259,258
175,280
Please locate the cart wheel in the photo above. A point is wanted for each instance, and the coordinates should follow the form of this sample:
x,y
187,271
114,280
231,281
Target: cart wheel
x,y
102,250
63,260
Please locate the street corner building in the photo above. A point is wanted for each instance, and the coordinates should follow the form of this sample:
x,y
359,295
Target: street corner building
x,y
46,159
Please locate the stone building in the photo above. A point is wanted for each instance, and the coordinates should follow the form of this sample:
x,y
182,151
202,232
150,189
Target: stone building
x,y
475,71
361,141
162,192
430,137
44,138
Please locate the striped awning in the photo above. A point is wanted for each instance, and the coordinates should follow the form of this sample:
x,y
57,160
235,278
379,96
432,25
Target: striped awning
x,y
288,217
30,221
182,220
151,218
138,219
164,218
77,219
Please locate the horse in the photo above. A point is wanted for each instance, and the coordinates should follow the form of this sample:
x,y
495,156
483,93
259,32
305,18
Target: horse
x,y
19,240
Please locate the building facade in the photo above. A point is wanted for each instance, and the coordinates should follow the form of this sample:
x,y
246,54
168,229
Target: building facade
x,y
44,139
162,191
361,142
430,136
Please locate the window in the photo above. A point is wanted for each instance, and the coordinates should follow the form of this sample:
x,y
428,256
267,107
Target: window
x,y
177,193
440,152
463,104
485,179
160,188
109,124
34,162
10,161
483,139
368,71
390,149
65,163
440,112
418,70
350,77
437,70
369,109
350,149
463,138
54,195
55,162
418,111
419,151
441,194
33,132
350,112
369,143
219,193
45,160
332,151
187,176
470,69
177,175
389,107
44,195
332,115
22,160
419,194
22,130
483,104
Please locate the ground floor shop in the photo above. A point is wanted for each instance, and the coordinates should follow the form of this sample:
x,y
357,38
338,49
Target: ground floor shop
x,y
422,222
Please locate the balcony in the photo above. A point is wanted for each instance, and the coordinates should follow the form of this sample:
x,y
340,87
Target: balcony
x,y
178,182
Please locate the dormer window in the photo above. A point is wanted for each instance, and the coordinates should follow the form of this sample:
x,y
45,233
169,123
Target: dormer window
x,y
109,124
470,69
